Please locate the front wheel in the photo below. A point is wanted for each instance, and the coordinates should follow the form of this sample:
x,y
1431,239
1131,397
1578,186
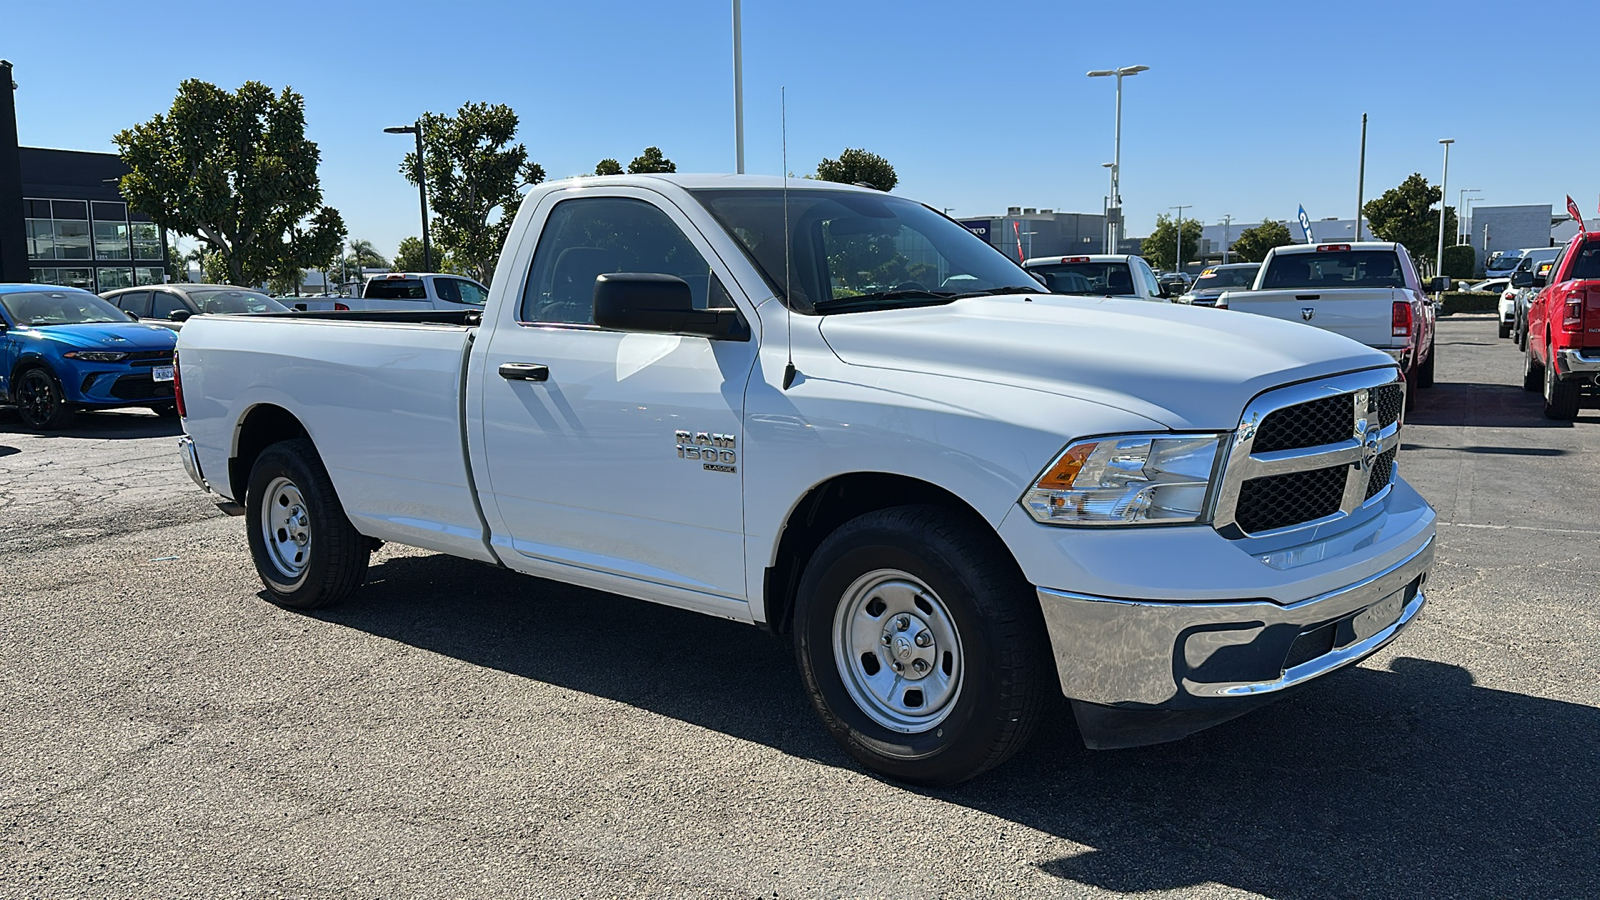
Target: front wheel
x,y
305,549
1505,329
40,401
921,645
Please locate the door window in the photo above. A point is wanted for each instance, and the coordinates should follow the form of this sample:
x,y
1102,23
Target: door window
x,y
588,237
472,292
163,305
136,302
447,290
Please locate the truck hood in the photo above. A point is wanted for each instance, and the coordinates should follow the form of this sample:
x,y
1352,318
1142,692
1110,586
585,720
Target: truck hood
x,y
1185,367
130,337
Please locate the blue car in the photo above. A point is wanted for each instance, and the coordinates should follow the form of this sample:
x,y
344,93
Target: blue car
x,y
64,349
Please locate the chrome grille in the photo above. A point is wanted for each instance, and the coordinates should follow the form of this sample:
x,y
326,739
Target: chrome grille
x,y
1311,452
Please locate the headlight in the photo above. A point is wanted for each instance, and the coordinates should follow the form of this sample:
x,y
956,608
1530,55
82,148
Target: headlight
x,y
96,355
1135,479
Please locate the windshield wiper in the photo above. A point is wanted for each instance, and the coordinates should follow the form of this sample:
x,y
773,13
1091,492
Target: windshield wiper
x,y
861,301
1009,289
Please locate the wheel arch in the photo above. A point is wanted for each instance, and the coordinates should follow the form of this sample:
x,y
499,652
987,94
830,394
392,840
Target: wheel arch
x,y
260,427
831,503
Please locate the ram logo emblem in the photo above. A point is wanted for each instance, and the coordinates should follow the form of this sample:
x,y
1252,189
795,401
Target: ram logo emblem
x,y
1308,313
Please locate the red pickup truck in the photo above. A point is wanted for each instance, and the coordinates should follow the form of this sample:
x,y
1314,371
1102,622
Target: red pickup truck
x,y
1564,329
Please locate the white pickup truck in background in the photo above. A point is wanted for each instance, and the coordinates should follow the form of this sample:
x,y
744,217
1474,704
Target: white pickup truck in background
x,y
405,291
762,400
1369,292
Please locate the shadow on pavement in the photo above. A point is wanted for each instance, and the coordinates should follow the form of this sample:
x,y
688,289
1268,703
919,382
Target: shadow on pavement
x,y
1480,406
7,451
108,425
1408,783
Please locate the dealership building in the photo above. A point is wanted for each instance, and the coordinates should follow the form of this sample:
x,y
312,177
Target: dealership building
x,y
79,230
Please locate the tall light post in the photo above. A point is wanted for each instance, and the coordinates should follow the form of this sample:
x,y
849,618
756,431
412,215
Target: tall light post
x,y
1115,213
1177,260
1110,236
422,187
738,91
1444,191
1461,212
1227,224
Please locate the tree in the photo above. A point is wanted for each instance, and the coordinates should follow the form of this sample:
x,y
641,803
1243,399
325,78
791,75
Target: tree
x,y
408,258
859,167
1159,247
475,177
649,161
1459,261
1252,244
234,169
608,166
1405,214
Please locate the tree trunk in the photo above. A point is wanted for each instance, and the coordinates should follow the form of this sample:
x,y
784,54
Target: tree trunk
x,y
236,271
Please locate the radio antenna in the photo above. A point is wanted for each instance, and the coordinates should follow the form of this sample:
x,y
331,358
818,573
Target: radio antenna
x,y
788,292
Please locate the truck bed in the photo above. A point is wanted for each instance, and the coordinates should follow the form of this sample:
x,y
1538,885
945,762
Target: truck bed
x,y
1361,314
383,388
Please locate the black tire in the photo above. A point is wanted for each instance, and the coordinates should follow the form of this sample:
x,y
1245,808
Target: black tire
x,y
335,555
1505,327
1425,372
169,411
1532,372
41,403
1001,668
1560,397
1411,388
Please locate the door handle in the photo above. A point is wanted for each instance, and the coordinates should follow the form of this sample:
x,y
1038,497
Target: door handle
x,y
524,372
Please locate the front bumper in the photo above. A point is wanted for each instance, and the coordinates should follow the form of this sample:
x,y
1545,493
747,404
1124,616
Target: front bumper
x,y
1577,363
115,385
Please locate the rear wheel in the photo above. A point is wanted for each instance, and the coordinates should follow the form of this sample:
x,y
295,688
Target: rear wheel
x,y
1532,372
1505,329
920,645
40,401
1560,397
1425,372
305,549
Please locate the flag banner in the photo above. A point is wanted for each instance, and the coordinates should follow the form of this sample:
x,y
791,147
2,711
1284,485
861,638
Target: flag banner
x,y
1572,210
1305,225
1017,229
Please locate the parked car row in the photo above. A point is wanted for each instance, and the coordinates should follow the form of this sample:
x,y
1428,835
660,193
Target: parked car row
x,y
1557,326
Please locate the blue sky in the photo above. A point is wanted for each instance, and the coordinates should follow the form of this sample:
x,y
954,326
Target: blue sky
x,y
1249,109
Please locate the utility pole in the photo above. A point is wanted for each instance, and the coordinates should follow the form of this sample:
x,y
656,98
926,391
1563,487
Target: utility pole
x,y
738,91
1361,177
1444,192
1178,260
1227,222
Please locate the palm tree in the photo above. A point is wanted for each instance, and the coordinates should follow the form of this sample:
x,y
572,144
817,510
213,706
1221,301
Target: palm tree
x,y
362,254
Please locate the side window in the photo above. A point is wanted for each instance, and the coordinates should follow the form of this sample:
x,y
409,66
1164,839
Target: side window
x,y
472,292
587,237
163,305
1151,288
447,290
136,302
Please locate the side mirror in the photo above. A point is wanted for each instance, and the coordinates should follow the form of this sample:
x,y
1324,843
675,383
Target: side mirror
x,y
1166,288
660,304
1540,281
130,314
180,315
1439,285
1521,279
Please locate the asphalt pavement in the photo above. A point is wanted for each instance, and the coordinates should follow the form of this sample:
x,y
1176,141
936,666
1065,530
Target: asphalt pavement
x,y
458,731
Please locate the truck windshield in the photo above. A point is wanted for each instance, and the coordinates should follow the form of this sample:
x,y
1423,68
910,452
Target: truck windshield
x,y
69,307
1098,279
1502,260
851,251
1331,269
395,289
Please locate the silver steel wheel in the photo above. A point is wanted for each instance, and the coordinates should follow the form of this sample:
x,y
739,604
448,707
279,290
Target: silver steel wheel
x,y
286,528
898,651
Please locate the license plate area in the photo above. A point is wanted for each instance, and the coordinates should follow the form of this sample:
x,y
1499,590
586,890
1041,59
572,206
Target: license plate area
x,y
1378,616
161,373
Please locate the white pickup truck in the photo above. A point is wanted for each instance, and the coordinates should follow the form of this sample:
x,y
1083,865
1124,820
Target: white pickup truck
x,y
406,291
836,414
1368,292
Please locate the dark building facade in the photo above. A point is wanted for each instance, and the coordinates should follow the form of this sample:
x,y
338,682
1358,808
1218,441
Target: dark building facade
x,y
80,231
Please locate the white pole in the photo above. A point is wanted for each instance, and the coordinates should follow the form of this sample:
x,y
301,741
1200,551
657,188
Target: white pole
x,y
1444,193
738,91
1227,221
1116,167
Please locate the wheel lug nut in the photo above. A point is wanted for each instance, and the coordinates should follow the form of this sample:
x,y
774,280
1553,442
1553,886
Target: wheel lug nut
x,y
898,666
887,640
921,665
903,623
925,639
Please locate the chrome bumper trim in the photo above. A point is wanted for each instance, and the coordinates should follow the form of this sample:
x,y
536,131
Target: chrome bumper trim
x,y
1576,362
1186,655
191,462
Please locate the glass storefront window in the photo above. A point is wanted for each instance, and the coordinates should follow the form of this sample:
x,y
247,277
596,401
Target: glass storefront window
x,y
111,240
144,275
146,240
109,278
78,278
41,239
72,239
70,209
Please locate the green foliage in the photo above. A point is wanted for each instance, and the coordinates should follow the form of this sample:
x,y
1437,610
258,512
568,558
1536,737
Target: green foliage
x,y
214,270
649,161
1252,244
1159,247
1459,261
236,170
408,258
1469,301
1405,214
284,284
858,167
608,166
475,177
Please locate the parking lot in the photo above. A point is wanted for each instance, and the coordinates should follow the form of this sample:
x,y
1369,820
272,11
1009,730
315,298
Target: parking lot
x,y
459,731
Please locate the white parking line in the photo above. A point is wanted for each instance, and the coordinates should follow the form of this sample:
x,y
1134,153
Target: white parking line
x,y
1519,528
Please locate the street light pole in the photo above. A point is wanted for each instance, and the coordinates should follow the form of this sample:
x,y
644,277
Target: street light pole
x,y
1177,265
1444,188
738,91
1227,222
1115,226
1461,212
422,187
